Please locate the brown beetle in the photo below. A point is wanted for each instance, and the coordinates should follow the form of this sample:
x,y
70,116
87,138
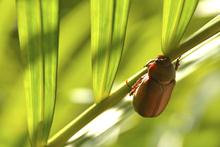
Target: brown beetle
x,y
153,90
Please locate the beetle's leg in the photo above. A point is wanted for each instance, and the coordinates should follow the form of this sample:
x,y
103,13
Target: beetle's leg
x,y
138,82
136,85
132,88
128,84
177,64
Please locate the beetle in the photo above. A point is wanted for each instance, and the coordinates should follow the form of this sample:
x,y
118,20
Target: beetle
x,y
152,92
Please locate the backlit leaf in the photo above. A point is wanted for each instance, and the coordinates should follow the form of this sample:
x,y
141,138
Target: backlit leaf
x,y
38,34
176,16
109,21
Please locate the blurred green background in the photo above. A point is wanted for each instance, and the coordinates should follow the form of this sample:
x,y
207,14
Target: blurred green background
x,y
191,119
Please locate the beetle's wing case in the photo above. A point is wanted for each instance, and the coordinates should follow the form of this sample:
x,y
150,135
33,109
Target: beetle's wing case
x,y
151,97
167,91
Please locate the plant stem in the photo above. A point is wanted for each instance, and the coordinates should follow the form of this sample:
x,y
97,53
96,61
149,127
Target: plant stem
x,y
74,126
69,130
207,31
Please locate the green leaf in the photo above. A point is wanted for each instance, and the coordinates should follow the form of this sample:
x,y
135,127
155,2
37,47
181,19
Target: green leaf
x,y
109,21
176,16
38,34
207,31
62,136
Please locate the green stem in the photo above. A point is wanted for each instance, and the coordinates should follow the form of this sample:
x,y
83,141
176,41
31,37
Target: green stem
x,y
74,126
70,129
207,31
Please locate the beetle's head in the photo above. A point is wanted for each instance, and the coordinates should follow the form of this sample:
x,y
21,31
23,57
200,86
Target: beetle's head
x,y
162,69
163,61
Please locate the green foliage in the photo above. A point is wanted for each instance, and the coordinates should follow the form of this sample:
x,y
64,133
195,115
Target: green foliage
x,y
61,137
109,21
176,17
192,111
38,34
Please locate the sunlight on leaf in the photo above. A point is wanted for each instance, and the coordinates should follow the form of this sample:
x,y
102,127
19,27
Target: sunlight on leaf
x,y
176,16
207,31
210,28
38,33
109,21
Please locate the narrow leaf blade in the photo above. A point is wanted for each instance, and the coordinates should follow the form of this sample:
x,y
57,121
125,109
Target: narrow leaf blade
x,y
176,16
119,31
109,20
29,25
50,18
38,27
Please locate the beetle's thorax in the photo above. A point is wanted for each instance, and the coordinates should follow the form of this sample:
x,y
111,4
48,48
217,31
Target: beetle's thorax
x,y
162,70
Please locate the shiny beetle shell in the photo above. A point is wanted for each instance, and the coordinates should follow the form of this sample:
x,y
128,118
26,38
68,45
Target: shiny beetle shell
x,y
155,88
